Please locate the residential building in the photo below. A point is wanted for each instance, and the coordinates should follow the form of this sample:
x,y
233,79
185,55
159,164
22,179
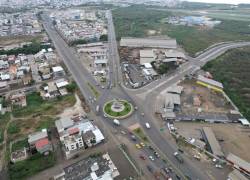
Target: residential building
x,y
39,141
18,99
92,168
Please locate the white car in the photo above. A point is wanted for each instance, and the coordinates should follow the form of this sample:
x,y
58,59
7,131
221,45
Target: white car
x,y
147,125
151,158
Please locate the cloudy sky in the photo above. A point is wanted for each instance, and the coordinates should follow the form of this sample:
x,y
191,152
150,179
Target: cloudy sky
x,y
223,1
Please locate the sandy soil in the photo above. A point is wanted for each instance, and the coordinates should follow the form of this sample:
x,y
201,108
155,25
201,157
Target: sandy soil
x,y
210,101
77,109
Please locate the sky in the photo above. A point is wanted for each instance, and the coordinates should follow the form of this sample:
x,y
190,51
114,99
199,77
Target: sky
x,y
223,1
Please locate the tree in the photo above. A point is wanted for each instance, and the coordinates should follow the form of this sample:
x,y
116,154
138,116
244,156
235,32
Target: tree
x,y
104,37
71,87
163,68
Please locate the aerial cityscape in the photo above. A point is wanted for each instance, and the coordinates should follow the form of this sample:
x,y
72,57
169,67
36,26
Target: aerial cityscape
x,y
124,89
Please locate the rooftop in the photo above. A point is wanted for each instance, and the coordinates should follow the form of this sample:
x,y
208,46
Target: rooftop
x,y
88,168
210,81
37,136
236,175
41,143
238,161
214,144
148,42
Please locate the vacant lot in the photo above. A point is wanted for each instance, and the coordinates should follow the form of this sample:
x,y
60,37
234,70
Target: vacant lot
x,y
138,20
232,69
211,101
233,137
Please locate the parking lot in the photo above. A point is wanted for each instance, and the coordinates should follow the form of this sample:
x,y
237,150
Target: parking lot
x,y
133,75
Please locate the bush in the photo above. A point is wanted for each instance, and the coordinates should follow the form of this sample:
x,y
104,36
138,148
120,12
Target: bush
x,y
71,87
13,128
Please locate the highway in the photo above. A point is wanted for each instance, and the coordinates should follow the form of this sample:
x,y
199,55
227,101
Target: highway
x,y
143,98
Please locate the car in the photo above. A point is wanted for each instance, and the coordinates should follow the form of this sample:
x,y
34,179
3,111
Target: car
x,y
151,148
180,150
133,137
151,158
150,169
178,177
166,170
138,146
103,87
142,144
156,154
142,157
105,115
218,166
123,132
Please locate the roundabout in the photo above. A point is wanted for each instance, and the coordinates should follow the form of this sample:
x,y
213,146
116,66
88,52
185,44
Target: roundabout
x,y
118,109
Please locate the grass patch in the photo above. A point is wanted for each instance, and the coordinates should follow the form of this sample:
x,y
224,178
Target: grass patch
x,y
13,128
140,133
93,90
37,106
3,121
232,69
34,164
126,110
19,145
46,123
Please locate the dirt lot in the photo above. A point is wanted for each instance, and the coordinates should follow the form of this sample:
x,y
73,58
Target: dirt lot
x,y
234,137
210,101
5,41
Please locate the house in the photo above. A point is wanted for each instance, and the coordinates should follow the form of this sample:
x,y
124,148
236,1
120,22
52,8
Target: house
x,y
51,90
58,71
39,141
4,64
18,99
77,133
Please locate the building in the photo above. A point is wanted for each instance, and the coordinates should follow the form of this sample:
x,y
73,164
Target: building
x,y
146,56
211,140
58,71
18,99
92,168
148,43
76,134
236,175
210,83
238,163
39,141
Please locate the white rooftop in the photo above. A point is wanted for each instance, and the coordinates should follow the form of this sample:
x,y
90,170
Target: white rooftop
x,y
57,69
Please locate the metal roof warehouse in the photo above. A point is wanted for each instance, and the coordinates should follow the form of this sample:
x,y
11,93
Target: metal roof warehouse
x,y
149,42
213,143
238,162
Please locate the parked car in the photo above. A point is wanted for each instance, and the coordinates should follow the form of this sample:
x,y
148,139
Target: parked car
x,y
142,157
138,146
151,158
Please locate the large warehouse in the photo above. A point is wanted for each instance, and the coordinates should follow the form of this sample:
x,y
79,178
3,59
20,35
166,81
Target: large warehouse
x,y
148,42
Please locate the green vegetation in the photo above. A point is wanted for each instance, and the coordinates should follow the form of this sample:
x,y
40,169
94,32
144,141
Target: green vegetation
x,y
19,145
34,164
71,87
3,121
232,69
163,68
79,41
104,37
93,90
46,123
33,48
127,109
13,128
139,132
136,21
37,106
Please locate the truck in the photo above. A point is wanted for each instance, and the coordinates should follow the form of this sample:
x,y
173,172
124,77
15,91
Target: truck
x,y
178,157
147,125
116,122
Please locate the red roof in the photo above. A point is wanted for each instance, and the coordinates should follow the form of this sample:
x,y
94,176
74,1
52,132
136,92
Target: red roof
x,y
41,143
73,131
